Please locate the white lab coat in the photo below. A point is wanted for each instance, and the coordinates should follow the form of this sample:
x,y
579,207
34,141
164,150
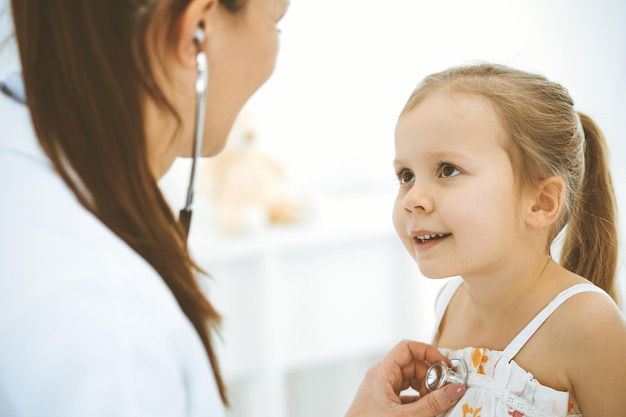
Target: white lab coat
x,y
87,327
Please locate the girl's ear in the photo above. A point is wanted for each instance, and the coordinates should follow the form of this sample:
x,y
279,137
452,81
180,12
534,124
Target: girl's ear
x,y
197,14
547,203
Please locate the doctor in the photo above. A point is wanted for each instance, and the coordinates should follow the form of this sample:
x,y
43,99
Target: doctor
x,y
100,310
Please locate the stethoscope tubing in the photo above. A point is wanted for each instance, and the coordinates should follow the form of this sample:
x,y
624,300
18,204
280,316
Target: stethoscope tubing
x,y
201,85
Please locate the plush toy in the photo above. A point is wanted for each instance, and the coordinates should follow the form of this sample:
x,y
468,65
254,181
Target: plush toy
x,y
246,184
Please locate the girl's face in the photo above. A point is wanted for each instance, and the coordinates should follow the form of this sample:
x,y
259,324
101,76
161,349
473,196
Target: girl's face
x,y
457,209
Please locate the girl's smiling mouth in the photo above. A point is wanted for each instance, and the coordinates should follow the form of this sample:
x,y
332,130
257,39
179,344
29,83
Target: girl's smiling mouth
x,y
420,239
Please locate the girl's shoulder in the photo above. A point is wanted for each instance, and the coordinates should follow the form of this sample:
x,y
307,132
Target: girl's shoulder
x,y
584,336
586,319
588,311
582,309
590,333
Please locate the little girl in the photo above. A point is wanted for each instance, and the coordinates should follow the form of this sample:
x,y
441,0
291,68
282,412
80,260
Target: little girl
x,y
494,164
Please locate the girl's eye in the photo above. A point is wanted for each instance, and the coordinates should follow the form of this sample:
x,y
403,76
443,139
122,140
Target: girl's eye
x,y
448,171
405,177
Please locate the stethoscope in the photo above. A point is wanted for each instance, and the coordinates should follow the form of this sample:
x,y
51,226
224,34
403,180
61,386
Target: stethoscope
x,y
201,84
440,374
13,87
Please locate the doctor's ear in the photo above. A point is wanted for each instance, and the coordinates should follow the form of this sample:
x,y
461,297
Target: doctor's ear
x,y
194,28
547,202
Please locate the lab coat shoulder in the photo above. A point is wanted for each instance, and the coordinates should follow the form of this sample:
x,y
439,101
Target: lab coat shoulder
x,y
87,327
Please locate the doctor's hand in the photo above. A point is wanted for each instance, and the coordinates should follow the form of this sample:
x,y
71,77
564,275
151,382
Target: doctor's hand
x,y
403,367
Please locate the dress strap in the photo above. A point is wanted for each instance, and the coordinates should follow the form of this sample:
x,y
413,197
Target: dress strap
x,y
524,336
444,298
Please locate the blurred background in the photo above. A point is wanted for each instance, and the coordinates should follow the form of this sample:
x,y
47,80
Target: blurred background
x,y
312,282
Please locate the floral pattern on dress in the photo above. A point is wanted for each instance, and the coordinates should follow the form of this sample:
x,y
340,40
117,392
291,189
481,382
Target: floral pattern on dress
x,y
479,357
471,412
572,408
501,388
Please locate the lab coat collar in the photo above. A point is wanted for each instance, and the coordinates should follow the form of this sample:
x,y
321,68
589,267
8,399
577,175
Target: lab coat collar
x,y
13,86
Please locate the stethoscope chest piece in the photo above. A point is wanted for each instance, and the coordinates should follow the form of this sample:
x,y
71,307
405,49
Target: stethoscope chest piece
x,y
440,374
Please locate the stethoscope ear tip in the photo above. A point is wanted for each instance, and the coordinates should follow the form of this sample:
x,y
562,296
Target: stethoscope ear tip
x,y
198,35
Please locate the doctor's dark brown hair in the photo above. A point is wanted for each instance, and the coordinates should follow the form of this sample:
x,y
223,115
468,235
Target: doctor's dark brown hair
x,y
86,73
547,137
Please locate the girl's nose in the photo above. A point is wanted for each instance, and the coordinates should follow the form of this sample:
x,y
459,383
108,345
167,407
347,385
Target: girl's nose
x,y
418,199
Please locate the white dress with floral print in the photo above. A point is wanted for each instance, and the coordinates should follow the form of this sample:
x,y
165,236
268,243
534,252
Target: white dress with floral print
x,y
497,385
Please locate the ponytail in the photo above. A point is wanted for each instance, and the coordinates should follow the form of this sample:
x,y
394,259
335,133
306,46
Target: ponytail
x,y
591,238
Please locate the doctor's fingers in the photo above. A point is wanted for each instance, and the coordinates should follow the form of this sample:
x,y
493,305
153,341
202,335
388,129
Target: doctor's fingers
x,y
412,360
432,404
408,353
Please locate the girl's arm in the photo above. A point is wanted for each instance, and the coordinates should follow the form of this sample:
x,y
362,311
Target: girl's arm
x,y
596,356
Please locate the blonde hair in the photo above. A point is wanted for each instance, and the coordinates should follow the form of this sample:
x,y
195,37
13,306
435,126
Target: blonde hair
x,y
548,137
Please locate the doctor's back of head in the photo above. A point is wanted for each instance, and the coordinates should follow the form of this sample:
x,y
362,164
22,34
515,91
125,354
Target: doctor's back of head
x,y
100,311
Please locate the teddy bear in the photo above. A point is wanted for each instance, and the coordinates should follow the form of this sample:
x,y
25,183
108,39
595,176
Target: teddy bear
x,y
245,184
